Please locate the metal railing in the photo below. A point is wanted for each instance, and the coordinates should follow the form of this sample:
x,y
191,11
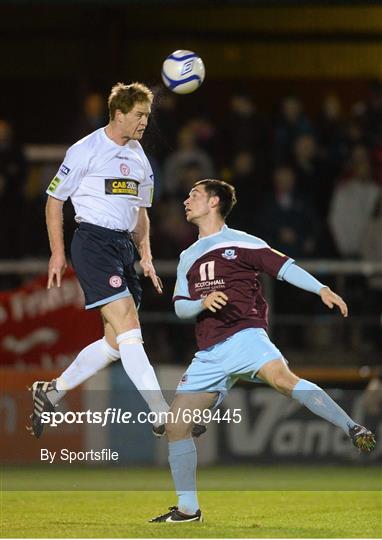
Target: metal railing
x,y
168,268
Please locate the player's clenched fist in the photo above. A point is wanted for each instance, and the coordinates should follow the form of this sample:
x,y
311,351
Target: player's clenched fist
x,y
215,301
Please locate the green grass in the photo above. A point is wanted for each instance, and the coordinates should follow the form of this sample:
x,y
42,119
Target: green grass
x,y
228,478
228,514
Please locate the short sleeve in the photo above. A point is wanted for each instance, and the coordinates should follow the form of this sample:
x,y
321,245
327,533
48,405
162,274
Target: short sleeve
x,y
69,175
181,286
146,188
268,260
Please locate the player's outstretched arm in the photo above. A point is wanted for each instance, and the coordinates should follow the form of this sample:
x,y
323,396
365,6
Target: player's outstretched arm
x,y
299,277
54,223
331,299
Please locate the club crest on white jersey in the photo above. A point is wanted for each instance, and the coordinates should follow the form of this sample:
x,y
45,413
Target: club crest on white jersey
x,y
104,190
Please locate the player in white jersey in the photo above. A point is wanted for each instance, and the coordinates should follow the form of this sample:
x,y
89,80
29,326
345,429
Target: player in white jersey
x,y
110,183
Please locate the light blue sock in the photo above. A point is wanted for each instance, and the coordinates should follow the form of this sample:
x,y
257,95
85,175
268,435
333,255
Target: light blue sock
x,y
182,459
320,403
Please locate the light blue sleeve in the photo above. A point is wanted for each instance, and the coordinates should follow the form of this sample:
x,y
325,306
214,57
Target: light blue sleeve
x,y
181,285
185,309
295,275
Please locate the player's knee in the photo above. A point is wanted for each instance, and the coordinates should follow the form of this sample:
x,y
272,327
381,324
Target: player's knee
x,y
131,337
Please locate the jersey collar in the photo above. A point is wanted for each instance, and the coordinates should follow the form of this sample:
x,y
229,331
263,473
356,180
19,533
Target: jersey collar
x,y
224,228
111,142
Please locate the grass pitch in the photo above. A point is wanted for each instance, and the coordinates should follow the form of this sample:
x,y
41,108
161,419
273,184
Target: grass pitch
x,y
352,512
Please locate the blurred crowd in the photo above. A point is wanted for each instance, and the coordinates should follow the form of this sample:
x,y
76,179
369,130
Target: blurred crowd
x,y
310,186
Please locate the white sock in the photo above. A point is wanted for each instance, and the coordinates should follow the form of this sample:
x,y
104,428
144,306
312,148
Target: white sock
x,y
141,372
94,357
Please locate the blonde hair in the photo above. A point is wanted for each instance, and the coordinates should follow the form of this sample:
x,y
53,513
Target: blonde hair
x,y
123,97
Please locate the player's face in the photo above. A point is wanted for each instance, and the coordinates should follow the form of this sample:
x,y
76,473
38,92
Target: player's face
x,y
197,205
134,123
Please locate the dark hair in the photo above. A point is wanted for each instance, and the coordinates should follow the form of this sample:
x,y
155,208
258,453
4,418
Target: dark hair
x,y
223,190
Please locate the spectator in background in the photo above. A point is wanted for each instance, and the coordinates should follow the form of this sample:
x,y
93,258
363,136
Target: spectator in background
x,y
187,153
331,134
250,184
288,222
372,396
371,251
369,113
191,172
245,129
354,135
243,174
312,177
206,136
371,243
290,124
352,205
171,232
374,112
376,155
358,156
13,172
374,127
93,115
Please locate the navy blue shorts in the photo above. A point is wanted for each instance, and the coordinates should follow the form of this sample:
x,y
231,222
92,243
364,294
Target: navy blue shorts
x,y
103,260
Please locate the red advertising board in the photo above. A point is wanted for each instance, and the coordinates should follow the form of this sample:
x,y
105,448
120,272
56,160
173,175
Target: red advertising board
x,y
45,328
17,443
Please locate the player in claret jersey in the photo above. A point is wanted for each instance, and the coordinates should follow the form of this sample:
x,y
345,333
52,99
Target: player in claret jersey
x,y
217,281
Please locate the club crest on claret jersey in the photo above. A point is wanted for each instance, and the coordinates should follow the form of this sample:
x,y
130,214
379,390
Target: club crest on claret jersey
x,y
229,254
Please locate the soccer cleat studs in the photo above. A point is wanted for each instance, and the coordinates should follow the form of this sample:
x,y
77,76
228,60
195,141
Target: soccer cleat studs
x,y
362,438
41,404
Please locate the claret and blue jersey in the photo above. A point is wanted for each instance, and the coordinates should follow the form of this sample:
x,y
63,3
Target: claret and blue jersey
x,y
230,261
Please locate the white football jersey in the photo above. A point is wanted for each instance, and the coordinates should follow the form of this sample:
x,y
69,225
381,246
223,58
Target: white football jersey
x,y
106,182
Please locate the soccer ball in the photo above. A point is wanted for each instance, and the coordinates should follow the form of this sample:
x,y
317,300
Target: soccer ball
x,y
183,72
